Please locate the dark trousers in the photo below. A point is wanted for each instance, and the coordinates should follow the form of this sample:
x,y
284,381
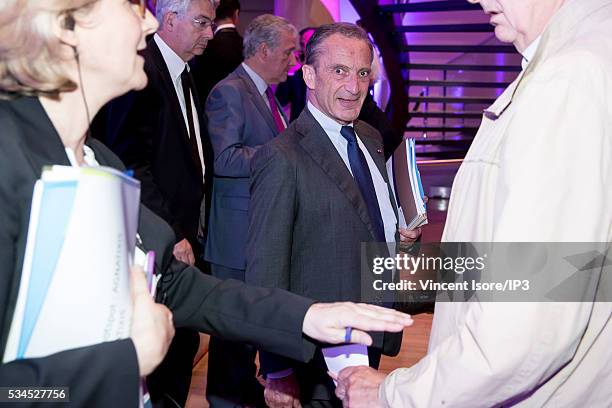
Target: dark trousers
x,y
169,384
231,379
322,404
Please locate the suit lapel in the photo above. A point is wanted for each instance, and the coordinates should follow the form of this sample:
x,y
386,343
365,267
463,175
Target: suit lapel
x,y
257,98
374,146
282,111
376,150
160,65
322,151
44,144
45,147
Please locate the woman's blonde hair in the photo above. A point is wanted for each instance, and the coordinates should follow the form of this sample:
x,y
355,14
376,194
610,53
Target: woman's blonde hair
x,y
30,52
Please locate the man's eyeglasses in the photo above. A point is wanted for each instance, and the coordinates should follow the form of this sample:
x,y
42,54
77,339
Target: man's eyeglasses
x,y
203,23
141,6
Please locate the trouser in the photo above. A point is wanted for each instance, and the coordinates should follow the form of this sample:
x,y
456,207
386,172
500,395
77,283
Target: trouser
x,y
169,384
231,380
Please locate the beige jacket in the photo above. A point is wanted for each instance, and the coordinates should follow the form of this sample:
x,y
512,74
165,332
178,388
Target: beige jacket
x,y
539,169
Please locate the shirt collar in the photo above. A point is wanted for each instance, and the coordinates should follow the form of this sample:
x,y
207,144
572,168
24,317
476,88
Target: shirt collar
x,y
222,26
328,124
530,52
89,157
259,82
174,63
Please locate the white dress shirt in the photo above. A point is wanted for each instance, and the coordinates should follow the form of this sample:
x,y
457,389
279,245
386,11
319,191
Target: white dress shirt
x,y
530,52
261,88
176,66
222,26
332,129
89,157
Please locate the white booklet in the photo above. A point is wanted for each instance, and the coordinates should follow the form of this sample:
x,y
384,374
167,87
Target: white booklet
x,y
75,287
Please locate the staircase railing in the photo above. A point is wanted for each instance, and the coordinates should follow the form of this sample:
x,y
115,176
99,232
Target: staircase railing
x,y
458,120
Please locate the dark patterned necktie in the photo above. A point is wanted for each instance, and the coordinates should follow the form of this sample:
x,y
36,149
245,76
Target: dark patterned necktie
x,y
193,144
363,177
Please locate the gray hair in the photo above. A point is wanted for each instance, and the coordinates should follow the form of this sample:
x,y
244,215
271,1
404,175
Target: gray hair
x,y
265,29
313,48
162,7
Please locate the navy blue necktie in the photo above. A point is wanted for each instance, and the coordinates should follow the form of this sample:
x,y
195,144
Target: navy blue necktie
x,y
361,173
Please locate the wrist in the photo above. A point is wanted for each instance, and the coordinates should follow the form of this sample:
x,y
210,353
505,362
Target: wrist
x,y
279,374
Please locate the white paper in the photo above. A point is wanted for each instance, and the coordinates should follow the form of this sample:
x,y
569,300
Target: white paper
x,y
348,355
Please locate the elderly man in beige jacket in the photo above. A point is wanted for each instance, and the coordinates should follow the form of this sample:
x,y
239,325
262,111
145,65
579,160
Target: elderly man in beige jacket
x,y
539,170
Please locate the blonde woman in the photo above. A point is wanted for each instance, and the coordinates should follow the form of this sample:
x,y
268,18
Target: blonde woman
x,y
47,49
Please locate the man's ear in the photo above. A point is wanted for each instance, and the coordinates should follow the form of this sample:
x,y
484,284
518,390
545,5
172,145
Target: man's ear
x,y
309,76
169,21
263,50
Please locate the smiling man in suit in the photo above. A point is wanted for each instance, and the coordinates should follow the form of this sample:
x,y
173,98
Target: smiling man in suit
x,y
243,114
160,133
318,191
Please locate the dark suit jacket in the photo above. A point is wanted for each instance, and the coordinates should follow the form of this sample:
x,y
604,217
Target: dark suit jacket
x,y
293,91
222,55
239,122
147,131
306,224
371,114
106,374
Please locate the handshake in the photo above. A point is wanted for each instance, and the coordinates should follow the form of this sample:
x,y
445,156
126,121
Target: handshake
x,y
357,388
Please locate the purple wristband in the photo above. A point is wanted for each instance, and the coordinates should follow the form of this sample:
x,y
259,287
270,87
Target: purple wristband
x,y
347,334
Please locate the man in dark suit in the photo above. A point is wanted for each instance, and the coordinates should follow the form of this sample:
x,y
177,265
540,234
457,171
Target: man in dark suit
x,y
375,117
319,190
242,114
160,133
293,90
223,53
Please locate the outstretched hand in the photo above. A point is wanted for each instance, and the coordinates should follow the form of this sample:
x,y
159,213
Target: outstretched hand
x,y
327,322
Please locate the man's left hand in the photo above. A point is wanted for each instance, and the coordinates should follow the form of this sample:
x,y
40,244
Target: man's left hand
x,y
407,235
282,392
358,387
327,322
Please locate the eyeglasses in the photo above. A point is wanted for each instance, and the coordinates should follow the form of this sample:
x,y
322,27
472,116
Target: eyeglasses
x,y
203,23
141,7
